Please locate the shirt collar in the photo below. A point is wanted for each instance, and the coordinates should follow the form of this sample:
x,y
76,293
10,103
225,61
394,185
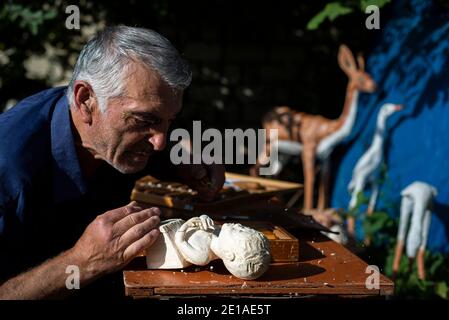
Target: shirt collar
x,y
68,179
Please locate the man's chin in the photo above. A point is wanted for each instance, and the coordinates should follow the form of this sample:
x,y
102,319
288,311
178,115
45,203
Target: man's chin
x,y
130,168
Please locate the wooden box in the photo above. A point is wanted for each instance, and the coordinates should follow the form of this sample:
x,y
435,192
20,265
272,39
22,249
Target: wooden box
x,y
283,245
178,196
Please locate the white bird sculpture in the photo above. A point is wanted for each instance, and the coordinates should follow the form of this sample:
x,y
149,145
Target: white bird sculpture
x,y
417,200
367,166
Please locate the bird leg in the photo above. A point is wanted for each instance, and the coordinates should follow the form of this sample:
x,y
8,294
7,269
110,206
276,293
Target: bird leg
x,y
420,263
406,210
350,222
373,198
397,257
422,249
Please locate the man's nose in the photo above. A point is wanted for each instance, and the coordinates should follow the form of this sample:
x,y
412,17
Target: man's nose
x,y
158,141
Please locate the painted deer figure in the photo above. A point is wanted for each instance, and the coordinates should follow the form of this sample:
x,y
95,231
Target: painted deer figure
x,y
313,136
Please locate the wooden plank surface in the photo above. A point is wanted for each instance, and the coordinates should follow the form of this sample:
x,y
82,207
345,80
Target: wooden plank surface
x,y
324,268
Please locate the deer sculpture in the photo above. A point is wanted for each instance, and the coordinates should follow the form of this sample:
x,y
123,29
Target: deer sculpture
x,y
313,136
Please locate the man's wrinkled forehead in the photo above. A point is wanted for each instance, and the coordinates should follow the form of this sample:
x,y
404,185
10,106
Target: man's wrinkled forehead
x,y
150,93
147,108
162,106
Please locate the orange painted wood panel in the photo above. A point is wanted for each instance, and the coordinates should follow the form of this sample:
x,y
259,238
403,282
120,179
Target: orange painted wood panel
x,y
324,268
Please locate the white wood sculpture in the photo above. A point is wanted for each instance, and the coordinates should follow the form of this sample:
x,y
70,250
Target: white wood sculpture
x,y
368,165
164,254
313,136
245,252
417,201
193,240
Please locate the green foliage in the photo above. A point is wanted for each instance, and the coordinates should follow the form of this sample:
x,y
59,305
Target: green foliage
x,y
27,17
408,285
378,3
379,227
362,199
36,31
331,11
337,9
442,289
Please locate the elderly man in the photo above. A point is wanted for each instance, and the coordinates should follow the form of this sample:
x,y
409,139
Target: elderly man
x,y
69,157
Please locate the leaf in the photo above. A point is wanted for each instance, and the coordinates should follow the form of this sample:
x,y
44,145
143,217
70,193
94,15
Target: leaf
x,y
436,265
331,11
378,3
362,198
424,284
50,14
441,289
376,222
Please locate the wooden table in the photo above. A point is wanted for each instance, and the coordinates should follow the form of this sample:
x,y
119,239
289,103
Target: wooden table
x,y
325,268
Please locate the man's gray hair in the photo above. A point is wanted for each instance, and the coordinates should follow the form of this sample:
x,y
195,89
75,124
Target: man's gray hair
x,y
104,60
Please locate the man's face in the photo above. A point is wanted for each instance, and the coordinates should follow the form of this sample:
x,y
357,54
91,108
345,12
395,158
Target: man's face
x,y
136,125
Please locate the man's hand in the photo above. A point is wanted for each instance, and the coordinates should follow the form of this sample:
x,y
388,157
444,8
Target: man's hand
x,y
206,179
107,244
115,237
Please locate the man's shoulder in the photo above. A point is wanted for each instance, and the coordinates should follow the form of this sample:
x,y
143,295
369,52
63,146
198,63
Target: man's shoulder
x,y
37,106
25,136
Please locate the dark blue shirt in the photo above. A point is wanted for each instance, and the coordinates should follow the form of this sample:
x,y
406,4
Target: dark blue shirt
x,y
45,201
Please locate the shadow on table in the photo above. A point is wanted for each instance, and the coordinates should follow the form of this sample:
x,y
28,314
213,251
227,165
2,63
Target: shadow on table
x,y
276,272
308,253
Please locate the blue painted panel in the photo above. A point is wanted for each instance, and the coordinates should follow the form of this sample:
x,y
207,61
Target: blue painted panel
x,y
411,67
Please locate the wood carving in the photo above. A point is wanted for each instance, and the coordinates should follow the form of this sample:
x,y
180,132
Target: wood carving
x,y
245,251
313,136
416,204
332,220
366,170
163,254
193,240
368,165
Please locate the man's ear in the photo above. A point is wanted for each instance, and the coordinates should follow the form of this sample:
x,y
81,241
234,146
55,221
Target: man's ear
x,y
85,101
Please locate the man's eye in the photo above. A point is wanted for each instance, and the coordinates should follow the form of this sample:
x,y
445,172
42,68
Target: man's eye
x,y
144,122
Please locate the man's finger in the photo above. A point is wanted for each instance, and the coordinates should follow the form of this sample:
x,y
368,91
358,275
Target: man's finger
x,y
123,225
217,177
205,194
138,246
198,172
208,189
138,231
206,222
119,213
